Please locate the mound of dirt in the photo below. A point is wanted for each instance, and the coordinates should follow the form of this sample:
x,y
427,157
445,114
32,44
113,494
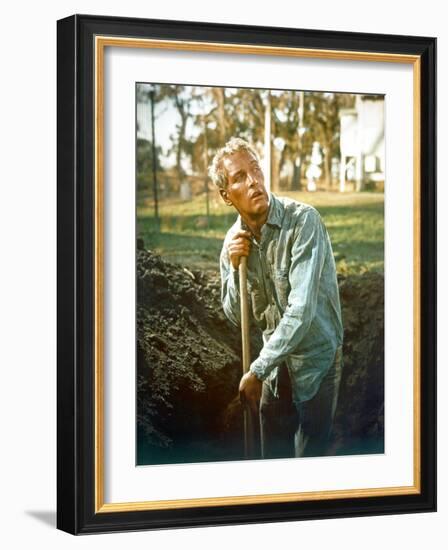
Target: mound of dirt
x,y
359,422
188,366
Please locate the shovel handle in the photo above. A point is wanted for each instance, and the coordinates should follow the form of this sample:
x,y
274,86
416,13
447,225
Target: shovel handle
x,y
244,314
249,420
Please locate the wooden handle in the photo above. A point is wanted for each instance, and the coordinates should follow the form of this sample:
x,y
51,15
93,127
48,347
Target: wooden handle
x,y
249,421
244,314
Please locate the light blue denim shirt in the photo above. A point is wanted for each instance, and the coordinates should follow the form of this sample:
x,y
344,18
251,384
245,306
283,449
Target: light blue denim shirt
x,y
294,295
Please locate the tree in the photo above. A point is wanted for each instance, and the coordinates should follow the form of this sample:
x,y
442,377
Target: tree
x,y
181,99
321,117
144,162
287,110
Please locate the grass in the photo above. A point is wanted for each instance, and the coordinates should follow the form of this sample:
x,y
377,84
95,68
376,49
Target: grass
x,y
355,222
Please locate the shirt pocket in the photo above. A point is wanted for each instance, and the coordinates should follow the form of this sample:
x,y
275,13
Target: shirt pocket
x,y
257,301
282,286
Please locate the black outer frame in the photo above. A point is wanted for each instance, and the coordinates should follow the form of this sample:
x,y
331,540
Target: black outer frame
x,y
75,295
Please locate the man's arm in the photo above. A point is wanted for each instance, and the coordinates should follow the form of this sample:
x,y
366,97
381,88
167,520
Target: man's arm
x,y
233,249
307,260
230,294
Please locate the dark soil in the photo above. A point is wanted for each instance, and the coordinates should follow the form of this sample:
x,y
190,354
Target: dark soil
x,y
359,422
188,367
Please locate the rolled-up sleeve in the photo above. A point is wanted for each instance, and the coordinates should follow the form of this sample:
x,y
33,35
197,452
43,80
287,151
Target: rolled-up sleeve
x,y
230,296
307,261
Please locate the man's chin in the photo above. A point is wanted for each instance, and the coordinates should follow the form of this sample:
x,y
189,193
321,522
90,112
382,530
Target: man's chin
x,y
260,207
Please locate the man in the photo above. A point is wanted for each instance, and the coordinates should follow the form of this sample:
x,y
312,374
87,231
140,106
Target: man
x,y
294,299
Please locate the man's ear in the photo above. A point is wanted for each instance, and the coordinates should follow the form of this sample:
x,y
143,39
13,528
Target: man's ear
x,y
225,197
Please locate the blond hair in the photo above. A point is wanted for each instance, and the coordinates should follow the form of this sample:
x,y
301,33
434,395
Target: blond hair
x,y
216,170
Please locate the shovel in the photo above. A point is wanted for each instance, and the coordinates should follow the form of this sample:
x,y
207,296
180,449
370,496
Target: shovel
x,y
249,420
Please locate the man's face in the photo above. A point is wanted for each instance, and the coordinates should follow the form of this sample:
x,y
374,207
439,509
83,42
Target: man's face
x,y
245,187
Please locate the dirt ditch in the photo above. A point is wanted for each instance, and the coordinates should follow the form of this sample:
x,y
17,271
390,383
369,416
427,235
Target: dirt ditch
x,y
188,366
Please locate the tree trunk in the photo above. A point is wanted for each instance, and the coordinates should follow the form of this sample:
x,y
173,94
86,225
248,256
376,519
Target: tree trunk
x,y
327,168
218,94
296,183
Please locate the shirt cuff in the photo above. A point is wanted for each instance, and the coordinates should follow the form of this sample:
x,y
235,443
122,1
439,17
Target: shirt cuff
x,y
259,368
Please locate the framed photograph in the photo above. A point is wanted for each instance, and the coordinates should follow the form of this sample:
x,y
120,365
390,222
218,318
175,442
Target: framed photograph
x,y
246,274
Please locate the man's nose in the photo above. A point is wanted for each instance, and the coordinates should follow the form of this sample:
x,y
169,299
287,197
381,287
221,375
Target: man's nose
x,y
252,178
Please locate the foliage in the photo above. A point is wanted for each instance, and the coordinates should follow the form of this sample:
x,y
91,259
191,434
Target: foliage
x,y
208,116
144,164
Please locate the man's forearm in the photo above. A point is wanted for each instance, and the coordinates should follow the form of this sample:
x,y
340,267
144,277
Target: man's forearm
x,y
230,295
284,341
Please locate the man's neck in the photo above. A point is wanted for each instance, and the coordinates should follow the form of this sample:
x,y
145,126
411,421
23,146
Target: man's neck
x,y
255,224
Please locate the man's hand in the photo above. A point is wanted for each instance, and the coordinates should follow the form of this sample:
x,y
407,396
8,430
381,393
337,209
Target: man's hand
x,y
239,246
250,390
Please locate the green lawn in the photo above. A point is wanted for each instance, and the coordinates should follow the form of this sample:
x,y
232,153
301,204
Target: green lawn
x,y
355,222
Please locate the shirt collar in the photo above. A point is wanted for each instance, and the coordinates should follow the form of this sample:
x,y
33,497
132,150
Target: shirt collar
x,y
275,212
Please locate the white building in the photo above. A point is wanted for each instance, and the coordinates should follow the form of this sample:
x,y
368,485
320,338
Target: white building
x,y
362,144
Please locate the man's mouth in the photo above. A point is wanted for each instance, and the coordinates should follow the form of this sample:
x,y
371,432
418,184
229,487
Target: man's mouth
x,y
256,194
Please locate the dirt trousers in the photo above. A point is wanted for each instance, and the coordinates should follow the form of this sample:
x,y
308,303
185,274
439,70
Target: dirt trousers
x,y
291,429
